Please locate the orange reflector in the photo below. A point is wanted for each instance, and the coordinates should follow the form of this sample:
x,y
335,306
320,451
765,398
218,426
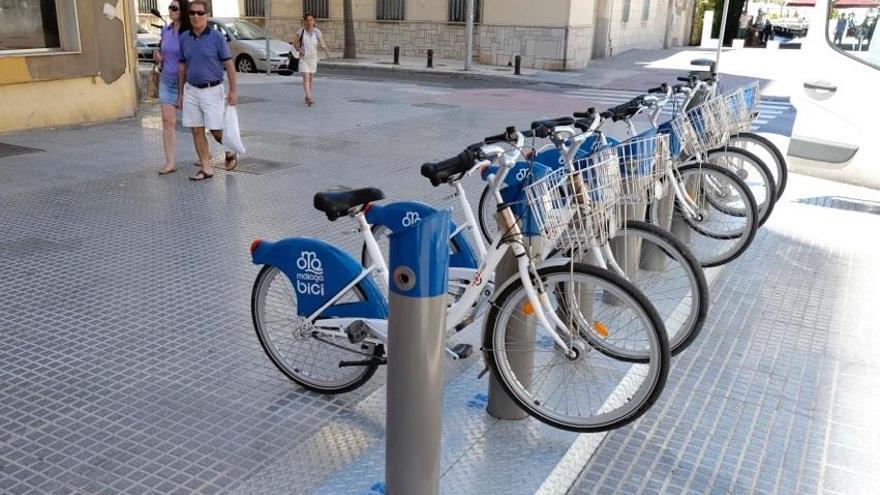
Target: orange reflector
x,y
527,309
254,245
601,329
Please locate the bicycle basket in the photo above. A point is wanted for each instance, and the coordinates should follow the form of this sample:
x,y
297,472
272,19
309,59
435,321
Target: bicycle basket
x,y
704,127
643,160
742,105
576,209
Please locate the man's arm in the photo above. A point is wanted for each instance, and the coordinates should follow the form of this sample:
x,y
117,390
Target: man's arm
x,y
232,97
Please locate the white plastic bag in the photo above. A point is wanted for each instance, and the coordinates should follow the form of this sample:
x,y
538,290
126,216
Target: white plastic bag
x,y
231,134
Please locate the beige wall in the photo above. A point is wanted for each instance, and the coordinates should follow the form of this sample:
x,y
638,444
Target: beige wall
x,y
548,13
583,13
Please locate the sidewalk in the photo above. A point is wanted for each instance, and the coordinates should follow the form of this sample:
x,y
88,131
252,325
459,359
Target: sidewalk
x,y
631,70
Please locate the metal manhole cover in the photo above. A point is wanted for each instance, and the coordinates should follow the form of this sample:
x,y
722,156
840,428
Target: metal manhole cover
x,y
259,166
842,203
437,106
7,150
363,100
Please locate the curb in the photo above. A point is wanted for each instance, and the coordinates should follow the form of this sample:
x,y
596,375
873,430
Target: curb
x,y
457,74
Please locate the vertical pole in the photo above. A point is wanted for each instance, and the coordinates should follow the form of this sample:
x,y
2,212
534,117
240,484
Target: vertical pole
x,y
469,18
430,59
396,55
721,35
653,257
419,273
268,14
517,61
500,405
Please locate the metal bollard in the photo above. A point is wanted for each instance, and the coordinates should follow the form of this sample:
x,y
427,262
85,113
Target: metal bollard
x,y
419,273
500,405
652,257
396,55
517,60
430,59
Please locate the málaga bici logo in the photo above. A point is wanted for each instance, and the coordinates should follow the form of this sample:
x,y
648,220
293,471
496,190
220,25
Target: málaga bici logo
x,y
310,279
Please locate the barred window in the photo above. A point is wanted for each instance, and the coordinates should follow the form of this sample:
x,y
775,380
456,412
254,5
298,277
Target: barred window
x,y
255,8
646,10
144,6
627,4
319,8
458,10
390,10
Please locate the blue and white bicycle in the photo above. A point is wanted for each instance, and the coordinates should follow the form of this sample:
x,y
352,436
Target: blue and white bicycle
x,y
322,319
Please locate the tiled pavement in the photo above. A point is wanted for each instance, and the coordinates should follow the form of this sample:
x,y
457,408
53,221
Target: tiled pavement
x,y
128,363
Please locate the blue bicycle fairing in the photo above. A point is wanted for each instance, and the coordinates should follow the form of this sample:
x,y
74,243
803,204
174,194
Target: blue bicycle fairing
x,y
513,192
403,214
318,271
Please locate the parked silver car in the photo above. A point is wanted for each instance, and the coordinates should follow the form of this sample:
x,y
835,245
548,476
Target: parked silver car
x,y
248,44
147,43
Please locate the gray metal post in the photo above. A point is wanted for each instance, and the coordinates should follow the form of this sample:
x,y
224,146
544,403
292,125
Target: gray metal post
x,y
419,273
500,406
652,257
469,17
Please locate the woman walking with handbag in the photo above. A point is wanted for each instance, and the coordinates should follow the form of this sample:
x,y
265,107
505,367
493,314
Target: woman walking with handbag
x,y
168,56
306,44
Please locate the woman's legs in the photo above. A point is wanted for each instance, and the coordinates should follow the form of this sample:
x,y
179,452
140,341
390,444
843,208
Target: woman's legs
x,y
307,81
169,136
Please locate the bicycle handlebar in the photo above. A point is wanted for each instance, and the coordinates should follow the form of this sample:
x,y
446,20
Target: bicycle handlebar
x,y
508,136
663,88
444,170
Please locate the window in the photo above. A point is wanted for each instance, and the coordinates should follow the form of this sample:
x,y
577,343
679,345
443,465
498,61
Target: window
x,y
254,8
626,6
390,10
38,26
646,10
852,30
144,6
319,8
458,10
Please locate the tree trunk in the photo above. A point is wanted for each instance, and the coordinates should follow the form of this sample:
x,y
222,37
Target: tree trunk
x,y
349,50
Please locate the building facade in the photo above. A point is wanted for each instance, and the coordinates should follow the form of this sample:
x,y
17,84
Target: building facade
x,y
65,62
547,34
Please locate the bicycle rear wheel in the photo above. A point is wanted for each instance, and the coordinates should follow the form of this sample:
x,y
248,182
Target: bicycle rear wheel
x,y
301,351
589,390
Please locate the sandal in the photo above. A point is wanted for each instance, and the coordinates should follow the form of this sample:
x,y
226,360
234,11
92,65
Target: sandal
x,y
231,162
201,175
166,172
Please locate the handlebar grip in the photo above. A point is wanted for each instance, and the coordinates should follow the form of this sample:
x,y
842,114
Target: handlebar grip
x,y
606,114
507,136
584,124
663,88
442,171
687,79
528,134
585,115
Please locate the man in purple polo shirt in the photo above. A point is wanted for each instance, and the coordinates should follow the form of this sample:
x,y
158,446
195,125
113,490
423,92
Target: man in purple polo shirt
x,y
204,54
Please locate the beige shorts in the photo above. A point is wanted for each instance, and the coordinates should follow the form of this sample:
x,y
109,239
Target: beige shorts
x,y
203,107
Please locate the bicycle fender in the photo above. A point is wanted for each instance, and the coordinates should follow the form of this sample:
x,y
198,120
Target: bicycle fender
x,y
318,271
401,214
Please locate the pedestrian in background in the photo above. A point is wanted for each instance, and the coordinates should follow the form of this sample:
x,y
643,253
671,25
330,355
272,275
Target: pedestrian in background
x,y
204,54
839,29
168,55
306,43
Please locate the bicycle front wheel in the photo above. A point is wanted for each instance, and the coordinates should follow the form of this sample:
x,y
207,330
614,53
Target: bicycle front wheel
x,y
715,237
754,172
668,274
768,152
587,389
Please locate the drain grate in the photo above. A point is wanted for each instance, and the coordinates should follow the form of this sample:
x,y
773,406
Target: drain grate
x,y
436,106
7,150
260,166
843,203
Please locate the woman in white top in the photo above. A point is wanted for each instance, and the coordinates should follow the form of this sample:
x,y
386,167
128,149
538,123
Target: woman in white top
x,y
306,44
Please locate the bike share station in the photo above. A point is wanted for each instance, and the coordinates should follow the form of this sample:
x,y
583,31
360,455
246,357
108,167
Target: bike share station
x,y
460,425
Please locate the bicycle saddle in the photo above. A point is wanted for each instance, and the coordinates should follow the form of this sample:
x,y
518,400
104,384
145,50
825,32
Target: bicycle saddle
x,y
338,203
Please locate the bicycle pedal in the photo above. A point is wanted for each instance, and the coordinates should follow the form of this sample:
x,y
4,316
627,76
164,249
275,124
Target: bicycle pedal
x,y
463,351
364,362
357,331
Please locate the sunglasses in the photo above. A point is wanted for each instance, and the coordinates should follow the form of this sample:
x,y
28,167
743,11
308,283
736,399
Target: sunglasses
x,y
199,13
173,8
